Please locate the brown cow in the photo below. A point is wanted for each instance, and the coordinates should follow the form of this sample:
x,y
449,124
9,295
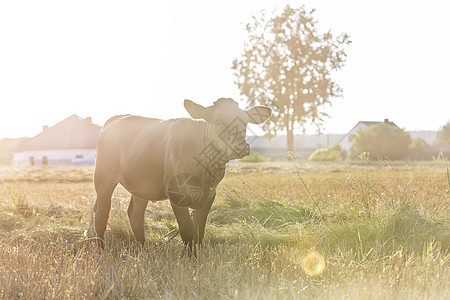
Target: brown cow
x,y
180,159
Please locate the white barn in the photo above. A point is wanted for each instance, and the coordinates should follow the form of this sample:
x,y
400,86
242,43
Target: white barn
x,y
73,141
346,141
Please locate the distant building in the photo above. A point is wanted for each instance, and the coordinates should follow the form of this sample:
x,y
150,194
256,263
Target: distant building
x,y
346,141
73,141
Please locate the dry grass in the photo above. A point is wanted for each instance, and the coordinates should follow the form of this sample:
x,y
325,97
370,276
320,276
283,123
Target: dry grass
x,y
382,232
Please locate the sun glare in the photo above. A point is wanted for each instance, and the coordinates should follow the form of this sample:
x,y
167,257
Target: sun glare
x,y
313,263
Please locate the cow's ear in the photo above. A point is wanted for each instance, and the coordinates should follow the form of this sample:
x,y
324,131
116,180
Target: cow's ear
x,y
258,114
196,111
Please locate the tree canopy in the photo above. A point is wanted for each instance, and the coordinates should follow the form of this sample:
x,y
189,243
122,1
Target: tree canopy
x,y
443,135
288,65
381,141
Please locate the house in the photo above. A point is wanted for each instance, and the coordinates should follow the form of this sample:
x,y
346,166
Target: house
x,y
73,141
346,141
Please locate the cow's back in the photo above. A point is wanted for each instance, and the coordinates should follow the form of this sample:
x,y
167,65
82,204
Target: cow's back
x,y
116,138
134,151
118,135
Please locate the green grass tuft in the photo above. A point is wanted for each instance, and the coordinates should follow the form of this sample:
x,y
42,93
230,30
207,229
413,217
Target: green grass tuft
x,y
406,229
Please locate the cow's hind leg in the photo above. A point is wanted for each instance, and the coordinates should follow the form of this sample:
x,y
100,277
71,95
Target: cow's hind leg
x,y
136,214
102,209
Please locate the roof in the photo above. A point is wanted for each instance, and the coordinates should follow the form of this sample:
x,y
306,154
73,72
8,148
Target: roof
x,y
71,133
367,124
370,123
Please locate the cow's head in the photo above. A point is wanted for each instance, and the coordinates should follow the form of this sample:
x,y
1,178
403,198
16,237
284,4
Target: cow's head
x,y
227,123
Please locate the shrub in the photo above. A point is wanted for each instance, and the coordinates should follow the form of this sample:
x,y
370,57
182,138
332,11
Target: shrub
x,y
325,154
255,157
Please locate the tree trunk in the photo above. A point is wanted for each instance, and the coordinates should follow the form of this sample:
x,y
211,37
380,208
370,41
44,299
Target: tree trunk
x,y
290,140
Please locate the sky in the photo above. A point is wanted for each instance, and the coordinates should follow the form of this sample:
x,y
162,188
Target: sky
x,y
102,58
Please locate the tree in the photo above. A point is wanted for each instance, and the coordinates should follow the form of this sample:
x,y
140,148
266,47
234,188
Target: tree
x,y
417,149
443,135
381,141
287,65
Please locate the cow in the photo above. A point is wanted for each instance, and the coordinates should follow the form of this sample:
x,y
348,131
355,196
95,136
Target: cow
x,y
182,160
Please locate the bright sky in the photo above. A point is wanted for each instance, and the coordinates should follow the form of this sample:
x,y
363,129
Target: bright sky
x,y
102,58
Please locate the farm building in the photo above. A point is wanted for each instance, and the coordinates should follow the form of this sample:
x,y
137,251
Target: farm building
x,y
73,141
346,141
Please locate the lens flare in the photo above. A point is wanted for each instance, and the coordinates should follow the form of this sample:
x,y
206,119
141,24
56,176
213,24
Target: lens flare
x,y
313,263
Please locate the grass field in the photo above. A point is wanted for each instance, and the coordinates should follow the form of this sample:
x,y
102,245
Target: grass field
x,y
275,231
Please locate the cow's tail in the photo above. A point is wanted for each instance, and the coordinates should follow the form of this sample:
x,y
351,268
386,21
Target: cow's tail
x,y
110,120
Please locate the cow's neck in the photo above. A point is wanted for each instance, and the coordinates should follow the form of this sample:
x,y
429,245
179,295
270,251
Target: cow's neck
x,y
212,156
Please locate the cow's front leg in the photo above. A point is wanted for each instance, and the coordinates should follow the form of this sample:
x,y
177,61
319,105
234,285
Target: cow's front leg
x,y
200,216
185,224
